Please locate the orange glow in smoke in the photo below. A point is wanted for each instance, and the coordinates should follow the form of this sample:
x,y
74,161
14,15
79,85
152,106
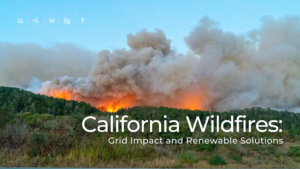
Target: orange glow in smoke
x,y
192,104
108,105
112,105
188,100
61,94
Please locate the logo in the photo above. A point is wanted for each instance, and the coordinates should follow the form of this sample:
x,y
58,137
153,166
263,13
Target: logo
x,y
20,20
35,21
67,21
51,20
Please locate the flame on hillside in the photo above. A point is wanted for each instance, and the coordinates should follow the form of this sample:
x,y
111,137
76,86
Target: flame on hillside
x,y
113,105
61,94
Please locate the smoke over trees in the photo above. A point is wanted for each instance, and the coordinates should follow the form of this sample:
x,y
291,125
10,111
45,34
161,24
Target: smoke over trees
x,y
222,71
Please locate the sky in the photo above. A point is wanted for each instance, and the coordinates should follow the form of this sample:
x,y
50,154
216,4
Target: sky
x,y
106,23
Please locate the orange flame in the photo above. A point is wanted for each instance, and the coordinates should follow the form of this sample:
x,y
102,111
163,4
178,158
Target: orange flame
x,y
112,105
108,105
184,100
61,94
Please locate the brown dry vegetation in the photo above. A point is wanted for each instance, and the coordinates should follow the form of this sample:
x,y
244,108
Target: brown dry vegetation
x,y
18,159
64,144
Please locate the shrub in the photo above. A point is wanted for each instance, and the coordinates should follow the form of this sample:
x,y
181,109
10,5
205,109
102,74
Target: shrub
x,y
30,119
237,158
146,150
37,143
23,115
206,147
294,151
184,132
277,155
5,117
38,139
266,149
297,159
216,160
46,117
233,148
188,157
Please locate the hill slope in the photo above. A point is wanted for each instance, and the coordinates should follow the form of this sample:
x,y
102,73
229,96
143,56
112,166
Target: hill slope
x,y
41,131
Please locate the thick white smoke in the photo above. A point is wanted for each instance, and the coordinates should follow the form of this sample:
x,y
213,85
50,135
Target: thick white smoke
x,y
150,73
261,68
223,71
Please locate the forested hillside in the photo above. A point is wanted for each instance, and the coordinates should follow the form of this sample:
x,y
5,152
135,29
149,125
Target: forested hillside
x,y
16,100
41,131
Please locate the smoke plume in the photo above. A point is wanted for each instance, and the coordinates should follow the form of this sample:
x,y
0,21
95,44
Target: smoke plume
x,y
222,71
27,62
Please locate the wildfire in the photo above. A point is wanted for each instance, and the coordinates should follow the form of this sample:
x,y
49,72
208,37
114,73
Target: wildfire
x,y
188,101
108,105
61,94
112,105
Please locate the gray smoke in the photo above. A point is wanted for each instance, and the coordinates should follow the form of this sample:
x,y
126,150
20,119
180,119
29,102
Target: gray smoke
x,y
222,71
25,62
260,68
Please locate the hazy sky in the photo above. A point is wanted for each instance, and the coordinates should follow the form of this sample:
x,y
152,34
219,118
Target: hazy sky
x,y
107,23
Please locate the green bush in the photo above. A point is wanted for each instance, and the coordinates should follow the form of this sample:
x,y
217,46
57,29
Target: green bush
x,y
46,117
33,152
297,159
188,157
277,155
217,160
294,151
37,143
5,117
23,115
30,119
237,158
